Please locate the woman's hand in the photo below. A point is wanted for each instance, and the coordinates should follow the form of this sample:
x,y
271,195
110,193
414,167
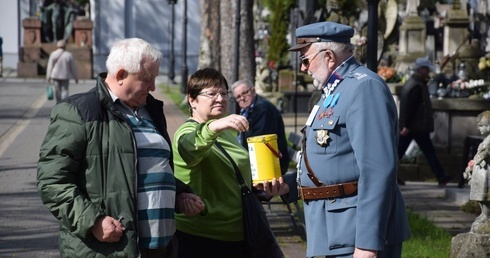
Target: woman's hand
x,y
189,204
274,187
404,131
233,121
365,253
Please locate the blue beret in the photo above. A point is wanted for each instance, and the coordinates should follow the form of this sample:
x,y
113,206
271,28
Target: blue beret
x,y
322,32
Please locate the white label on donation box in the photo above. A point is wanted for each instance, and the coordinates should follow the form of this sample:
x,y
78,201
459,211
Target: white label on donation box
x,y
253,162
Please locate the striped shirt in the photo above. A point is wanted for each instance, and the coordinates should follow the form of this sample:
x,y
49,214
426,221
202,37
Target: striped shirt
x,y
156,182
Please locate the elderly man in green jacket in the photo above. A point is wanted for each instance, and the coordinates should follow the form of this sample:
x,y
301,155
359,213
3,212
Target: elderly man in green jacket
x,y
105,169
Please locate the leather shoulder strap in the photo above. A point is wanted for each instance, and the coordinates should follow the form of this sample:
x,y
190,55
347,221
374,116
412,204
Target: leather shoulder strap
x,y
310,172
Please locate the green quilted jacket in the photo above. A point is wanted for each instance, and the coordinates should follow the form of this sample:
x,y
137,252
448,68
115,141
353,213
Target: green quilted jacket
x,y
87,169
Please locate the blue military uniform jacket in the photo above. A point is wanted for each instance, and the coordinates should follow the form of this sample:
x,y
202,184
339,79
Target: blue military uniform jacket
x,y
361,120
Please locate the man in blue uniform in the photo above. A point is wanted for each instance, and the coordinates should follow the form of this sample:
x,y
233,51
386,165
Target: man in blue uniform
x,y
347,172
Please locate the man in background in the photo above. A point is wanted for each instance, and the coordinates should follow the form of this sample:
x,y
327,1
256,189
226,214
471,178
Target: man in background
x,y
263,118
61,68
416,118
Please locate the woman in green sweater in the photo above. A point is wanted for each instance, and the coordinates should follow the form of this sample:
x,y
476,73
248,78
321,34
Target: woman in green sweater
x,y
218,232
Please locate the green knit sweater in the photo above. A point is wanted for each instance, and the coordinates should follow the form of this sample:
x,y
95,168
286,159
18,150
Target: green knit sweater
x,y
199,163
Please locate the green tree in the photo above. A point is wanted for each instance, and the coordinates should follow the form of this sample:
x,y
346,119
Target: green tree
x,y
279,26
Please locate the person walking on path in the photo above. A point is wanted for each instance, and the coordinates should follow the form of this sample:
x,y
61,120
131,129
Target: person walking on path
x,y
263,118
61,68
416,120
347,171
105,167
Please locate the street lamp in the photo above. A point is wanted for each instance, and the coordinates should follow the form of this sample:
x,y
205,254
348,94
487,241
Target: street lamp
x,y
171,69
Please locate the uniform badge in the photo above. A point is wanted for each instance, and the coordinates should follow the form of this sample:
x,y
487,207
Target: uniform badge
x,y
322,137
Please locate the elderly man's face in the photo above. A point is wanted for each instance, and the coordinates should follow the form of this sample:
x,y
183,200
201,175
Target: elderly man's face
x,y
314,62
244,95
137,86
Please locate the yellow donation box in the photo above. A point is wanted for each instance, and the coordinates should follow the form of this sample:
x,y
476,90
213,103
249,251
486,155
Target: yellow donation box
x,y
264,157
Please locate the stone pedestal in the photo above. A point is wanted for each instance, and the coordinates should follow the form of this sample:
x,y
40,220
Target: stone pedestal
x,y
470,245
32,31
411,42
83,32
83,61
455,30
30,54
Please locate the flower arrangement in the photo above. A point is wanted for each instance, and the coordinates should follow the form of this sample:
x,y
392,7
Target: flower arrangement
x,y
472,88
388,74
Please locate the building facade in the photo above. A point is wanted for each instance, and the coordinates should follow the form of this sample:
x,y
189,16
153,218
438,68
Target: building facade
x,y
150,20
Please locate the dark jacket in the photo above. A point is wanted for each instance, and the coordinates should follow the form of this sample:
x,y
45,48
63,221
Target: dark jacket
x,y
416,107
265,118
88,168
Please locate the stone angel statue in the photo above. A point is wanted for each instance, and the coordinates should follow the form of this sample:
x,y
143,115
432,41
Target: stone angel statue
x,y
478,173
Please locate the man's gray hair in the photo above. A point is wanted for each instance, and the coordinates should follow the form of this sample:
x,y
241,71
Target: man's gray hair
x,y
240,82
128,53
341,50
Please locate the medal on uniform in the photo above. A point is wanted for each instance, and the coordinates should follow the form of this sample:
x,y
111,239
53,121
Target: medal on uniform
x,y
328,113
329,103
322,137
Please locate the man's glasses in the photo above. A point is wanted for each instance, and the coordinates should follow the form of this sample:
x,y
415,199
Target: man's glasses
x,y
245,93
214,95
305,60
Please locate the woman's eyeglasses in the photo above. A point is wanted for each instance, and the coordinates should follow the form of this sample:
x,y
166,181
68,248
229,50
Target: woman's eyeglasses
x,y
214,95
305,60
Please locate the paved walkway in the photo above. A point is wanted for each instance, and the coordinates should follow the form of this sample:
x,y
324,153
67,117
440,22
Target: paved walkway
x,y
27,229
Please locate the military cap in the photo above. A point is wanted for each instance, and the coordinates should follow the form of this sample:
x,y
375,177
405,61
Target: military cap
x,y
322,32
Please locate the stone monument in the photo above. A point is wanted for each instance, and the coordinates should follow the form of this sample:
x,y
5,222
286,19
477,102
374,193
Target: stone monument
x,y
476,243
455,29
38,43
30,54
411,39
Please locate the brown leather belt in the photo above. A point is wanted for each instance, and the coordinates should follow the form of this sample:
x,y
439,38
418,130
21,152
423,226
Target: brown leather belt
x,y
327,191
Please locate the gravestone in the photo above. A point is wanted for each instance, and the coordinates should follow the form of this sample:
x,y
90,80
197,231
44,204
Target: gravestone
x,y
412,38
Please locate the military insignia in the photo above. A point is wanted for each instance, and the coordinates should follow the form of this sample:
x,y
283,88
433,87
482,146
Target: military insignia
x,y
330,122
321,115
329,113
359,76
322,137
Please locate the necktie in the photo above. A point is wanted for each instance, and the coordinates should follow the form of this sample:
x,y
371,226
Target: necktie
x,y
243,112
